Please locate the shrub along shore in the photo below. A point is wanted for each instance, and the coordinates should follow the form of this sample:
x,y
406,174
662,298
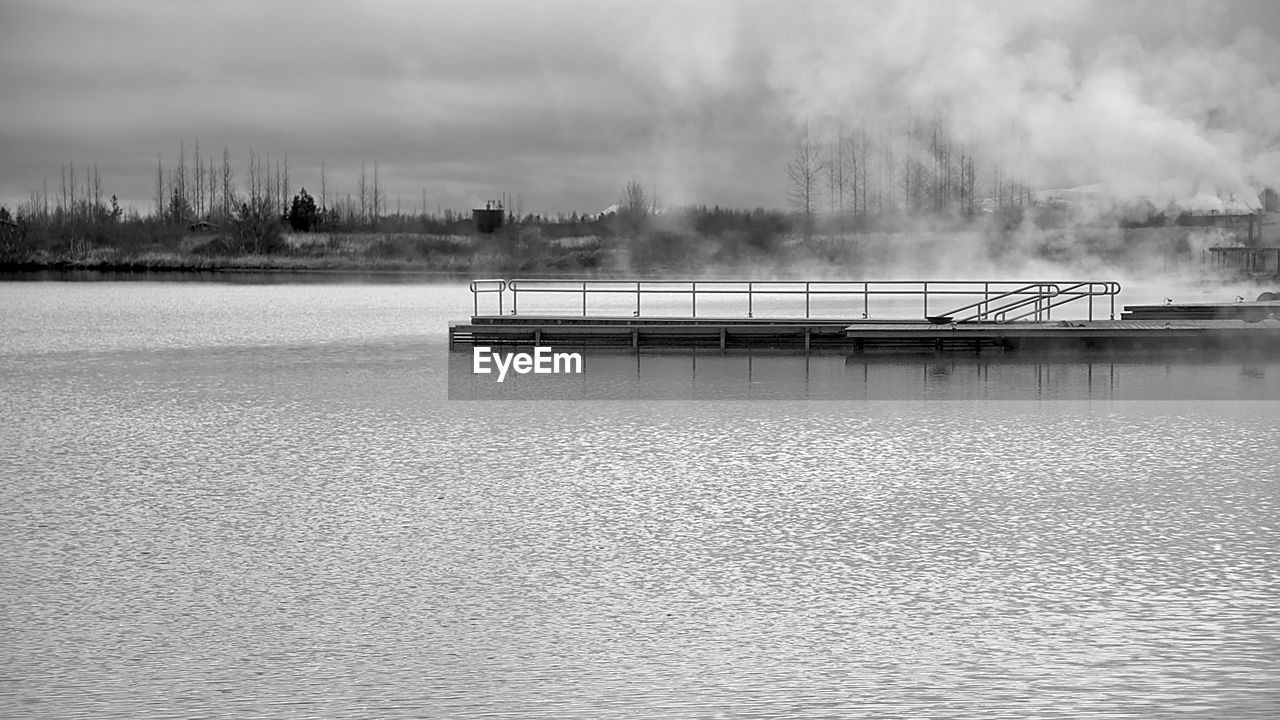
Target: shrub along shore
x,y
752,249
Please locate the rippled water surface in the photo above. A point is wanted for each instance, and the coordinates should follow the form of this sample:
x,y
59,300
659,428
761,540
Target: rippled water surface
x,y
257,501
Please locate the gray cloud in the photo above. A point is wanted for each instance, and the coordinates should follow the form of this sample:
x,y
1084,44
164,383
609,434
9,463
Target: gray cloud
x,y
563,102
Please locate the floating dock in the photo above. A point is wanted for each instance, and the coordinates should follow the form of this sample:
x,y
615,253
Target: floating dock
x,y
981,317
858,336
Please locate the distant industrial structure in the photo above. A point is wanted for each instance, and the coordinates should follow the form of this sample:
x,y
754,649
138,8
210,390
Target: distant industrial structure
x,y
1246,260
1249,232
1257,252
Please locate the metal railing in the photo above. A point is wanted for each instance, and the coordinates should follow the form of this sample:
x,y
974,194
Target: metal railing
x,y
482,287
1037,300
987,300
1070,293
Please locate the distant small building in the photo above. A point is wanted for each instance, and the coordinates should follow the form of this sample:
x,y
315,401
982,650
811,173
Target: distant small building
x,y
1247,227
488,219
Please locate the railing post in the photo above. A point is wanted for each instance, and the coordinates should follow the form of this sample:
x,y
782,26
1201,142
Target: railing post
x,y
750,297
515,299
584,298
806,307
694,295
637,298
926,298
866,300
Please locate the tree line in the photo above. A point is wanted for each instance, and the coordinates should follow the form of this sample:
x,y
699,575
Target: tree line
x,y
206,188
863,176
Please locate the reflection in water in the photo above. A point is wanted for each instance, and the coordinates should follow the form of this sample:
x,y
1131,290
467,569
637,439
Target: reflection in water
x,y
261,503
694,375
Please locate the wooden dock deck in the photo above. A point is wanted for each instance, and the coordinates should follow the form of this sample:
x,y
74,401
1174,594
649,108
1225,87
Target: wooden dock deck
x,y
863,336
981,316
1249,311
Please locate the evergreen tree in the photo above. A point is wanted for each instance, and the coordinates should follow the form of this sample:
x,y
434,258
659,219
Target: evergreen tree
x,y
303,215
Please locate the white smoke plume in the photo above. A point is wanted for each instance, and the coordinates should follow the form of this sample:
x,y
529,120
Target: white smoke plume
x,y
1162,100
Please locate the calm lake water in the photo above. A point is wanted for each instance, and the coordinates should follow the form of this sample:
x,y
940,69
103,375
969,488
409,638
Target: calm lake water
x,y
257,500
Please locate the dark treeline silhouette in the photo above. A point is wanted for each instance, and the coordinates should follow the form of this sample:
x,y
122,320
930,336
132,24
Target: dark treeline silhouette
x,y
856,190
207,213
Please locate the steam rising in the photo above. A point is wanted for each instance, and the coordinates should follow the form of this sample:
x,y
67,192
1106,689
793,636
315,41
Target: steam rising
x,y
1142,101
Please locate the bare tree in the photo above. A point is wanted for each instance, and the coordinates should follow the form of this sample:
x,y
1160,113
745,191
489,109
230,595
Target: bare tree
x,y
212,183
179,183
967,180
159,187
835,175
885,173
198,172
911,172
228,191
633,207
272,177
95,193
284,185
378,200
363,191
805,170
862,170
62,198
71,178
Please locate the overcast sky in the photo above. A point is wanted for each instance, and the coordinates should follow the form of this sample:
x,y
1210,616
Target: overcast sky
x,y
562,102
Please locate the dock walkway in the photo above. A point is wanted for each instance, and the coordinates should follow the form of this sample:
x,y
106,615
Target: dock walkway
x,y
982,325
860,336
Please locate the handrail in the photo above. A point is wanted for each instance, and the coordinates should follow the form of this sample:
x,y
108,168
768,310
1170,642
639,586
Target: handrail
x,y
486,286
1071,293
997,299
1038,291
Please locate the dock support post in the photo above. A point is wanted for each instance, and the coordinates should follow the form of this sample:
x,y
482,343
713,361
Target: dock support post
x,y
635,339
722,334
806,340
